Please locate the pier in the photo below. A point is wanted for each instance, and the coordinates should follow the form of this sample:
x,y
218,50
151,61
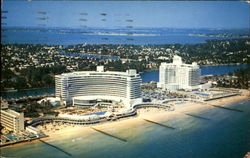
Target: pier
x,y
159,124
196,116
110,135
65,152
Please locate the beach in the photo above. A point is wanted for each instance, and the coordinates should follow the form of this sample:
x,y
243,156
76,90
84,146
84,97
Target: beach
x,y
153,114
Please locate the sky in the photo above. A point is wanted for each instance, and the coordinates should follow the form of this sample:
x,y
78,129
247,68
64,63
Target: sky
x,y
113,14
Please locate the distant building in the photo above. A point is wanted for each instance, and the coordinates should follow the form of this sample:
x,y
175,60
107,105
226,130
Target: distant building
x,y
51,100
12,120
4,104
85,88
177,75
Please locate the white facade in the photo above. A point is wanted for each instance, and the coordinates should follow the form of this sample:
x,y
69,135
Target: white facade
x,y
52,100
12,120
79,87
33,130
177,75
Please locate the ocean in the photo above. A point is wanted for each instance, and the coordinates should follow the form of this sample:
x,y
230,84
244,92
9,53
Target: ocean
x,y
224,135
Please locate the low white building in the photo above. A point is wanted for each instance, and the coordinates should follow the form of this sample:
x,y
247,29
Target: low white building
x,y
52,100
33,130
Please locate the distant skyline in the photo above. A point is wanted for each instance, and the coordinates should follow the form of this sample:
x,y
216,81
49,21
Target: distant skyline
x,y
172,14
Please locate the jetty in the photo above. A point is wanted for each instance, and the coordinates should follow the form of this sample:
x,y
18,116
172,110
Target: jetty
x,y
65,152
110,135
227,108
196,116
159,124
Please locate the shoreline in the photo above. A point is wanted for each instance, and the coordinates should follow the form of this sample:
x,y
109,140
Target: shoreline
x,y
153,114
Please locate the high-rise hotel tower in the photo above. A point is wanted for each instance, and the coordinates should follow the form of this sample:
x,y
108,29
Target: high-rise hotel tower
x,y
178,75
87,87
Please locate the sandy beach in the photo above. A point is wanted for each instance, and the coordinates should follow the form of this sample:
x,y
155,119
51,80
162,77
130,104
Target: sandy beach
x,y
153,114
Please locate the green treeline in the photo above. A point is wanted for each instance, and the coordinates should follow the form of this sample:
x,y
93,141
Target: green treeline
x,y
238,79
26,66
31,77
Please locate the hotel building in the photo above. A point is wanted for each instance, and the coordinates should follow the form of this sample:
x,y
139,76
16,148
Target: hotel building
x,y
177,75
12,120
88,87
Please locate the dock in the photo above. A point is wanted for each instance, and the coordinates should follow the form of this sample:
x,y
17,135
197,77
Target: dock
x,y
65,152
110,135
196,116
159,124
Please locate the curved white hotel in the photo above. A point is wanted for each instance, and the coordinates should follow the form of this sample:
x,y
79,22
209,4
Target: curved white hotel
x,y
86,87
177,75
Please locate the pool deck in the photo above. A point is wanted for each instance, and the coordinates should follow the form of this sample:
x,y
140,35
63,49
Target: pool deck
x,y
21,141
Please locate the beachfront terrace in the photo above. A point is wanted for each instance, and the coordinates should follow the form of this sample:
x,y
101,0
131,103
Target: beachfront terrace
x,y
94,118
155,94
11,138
208,94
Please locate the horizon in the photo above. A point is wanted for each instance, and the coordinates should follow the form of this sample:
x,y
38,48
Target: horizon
x,y
96,27
127,14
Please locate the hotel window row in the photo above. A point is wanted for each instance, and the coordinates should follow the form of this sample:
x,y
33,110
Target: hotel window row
x,y
78,87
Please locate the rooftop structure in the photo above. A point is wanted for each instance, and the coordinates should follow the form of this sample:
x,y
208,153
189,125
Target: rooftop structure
x,y
4,104
12,120
178,75
87,87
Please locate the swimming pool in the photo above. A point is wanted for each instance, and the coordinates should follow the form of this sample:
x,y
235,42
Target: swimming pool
x,y
97,113
180,103
202,94
11,136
